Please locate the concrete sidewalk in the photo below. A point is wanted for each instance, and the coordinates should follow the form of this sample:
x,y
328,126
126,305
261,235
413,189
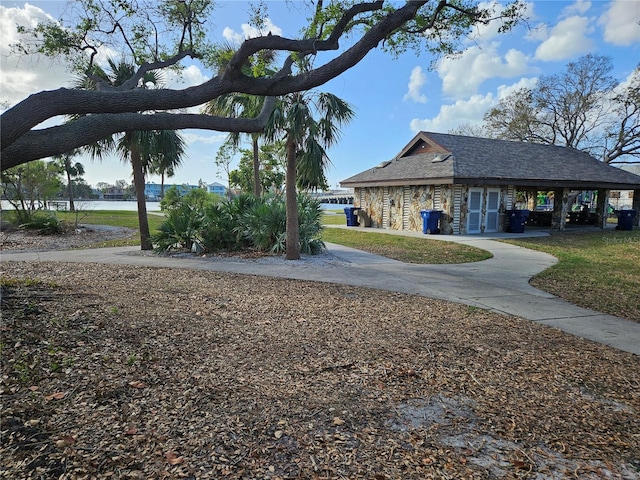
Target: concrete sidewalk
x,y
499,284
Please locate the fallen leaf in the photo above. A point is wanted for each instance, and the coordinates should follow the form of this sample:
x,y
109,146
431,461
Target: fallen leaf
x,y
55,396
173,459
519,464
65,441
137,384
338,421
278,434
34,388
131,431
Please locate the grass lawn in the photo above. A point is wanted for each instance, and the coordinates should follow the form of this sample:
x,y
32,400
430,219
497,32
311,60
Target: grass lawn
x,y
405,249
116,218
598,270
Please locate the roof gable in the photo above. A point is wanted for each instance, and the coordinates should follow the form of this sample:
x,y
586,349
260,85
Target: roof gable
x,y
420,144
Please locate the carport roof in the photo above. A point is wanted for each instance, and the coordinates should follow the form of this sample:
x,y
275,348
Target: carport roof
x,y
439,158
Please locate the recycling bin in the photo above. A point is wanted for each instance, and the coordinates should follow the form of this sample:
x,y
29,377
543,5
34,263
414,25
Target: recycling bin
x,y
352,216
430,220
517,219
625,219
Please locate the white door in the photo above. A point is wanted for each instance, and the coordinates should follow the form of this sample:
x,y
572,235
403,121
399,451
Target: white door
x,y
474,210
492,209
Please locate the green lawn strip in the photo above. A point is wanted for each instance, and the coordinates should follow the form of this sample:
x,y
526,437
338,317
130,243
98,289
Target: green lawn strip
x,y
405,249
116,218
596,270
336,218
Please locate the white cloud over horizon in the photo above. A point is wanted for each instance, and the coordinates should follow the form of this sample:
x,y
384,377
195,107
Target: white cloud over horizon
x,y
22,75
417,80
249,31
580,7
461,76
468,111
620,22
567,39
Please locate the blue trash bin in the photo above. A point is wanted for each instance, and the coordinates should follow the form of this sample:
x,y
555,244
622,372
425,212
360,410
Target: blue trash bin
x,y
352,217
517,219
625,219
430,220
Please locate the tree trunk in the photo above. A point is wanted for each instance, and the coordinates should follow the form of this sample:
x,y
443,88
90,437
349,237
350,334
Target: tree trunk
x,y
162,185
71,206
257,186
293,234
559,215
602,203
138,182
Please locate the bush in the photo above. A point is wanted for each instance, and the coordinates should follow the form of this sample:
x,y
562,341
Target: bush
x,y
246,221
264,224
220,228
45,224
179,230
310,221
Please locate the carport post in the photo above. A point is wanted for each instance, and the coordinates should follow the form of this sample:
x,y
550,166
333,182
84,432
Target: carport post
x,y
560,202
636,206
602,208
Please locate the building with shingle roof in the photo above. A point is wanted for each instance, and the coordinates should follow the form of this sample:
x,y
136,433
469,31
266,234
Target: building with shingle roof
x,y
475,181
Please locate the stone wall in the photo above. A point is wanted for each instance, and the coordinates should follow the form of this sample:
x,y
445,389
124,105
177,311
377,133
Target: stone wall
x,y
421,197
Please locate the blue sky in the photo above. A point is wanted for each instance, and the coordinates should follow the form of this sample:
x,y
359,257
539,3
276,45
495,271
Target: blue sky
x,y
393,98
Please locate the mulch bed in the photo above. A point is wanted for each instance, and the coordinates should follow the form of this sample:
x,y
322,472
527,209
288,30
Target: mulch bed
x,y
111,371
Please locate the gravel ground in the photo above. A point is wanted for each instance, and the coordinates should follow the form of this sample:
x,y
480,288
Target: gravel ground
x,y
125,372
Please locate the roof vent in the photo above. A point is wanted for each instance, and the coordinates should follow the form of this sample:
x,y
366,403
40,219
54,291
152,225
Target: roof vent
x,y
441,157
383,164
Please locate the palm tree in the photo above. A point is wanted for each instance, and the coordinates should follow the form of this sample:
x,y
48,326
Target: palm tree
x,y
241,105
140,148
71,170
306,139
167,155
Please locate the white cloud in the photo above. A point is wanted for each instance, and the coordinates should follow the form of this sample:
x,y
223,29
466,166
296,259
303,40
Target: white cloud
x,y
580,7
567,39
202,137
469,111
20,75
485,32
463,75
249,31
416,82
188,77
620,22
450,116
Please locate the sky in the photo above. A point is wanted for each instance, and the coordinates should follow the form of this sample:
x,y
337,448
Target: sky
x,y
393,98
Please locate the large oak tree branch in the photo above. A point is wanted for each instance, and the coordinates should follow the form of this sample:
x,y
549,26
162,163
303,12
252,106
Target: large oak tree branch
x,y
92,128
45,105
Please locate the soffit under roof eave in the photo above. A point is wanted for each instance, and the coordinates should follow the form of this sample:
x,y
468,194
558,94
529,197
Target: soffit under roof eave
x,y
541,183
538,183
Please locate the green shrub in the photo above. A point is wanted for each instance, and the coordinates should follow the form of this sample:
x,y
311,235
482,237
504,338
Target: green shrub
x,y
220,227
264,224
45,224
180,229
310,225
246,221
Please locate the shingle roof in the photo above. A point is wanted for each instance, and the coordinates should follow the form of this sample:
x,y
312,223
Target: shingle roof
x,y
488,161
